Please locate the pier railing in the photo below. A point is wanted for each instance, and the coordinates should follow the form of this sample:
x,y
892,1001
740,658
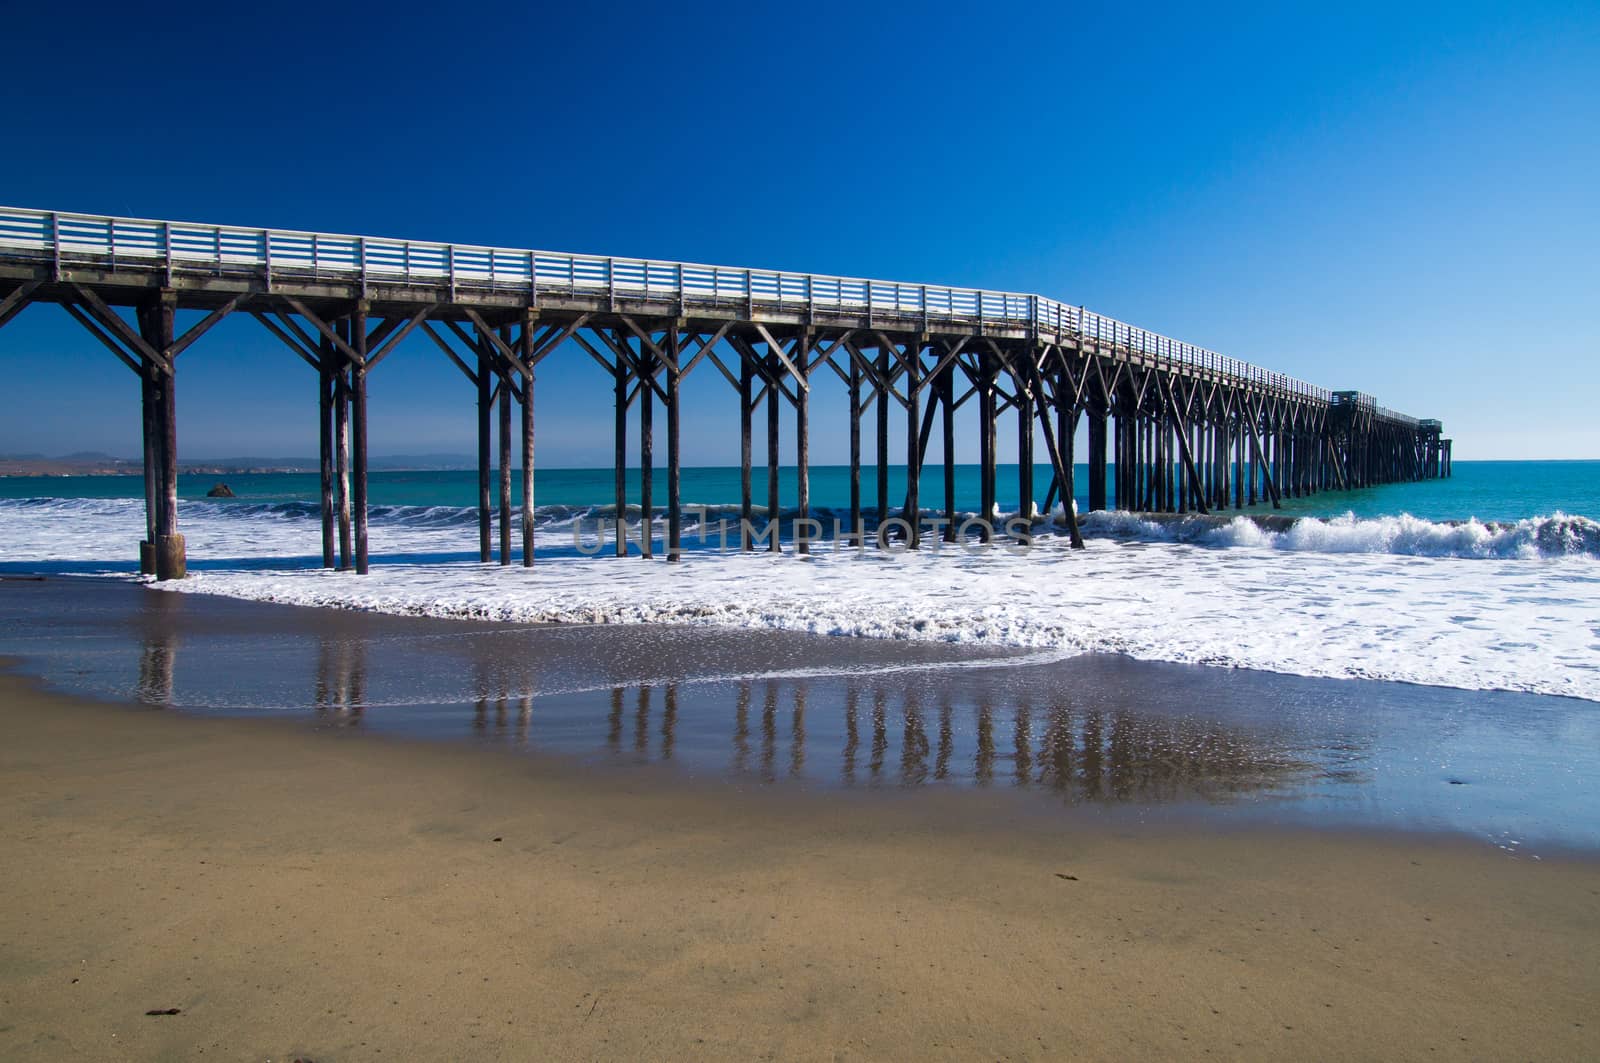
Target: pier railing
x,y
181,248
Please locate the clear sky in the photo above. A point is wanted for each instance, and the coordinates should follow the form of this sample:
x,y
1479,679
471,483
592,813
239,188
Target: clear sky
x,y
1400,198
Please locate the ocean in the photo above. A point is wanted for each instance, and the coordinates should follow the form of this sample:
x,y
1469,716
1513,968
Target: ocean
x,y
1485,581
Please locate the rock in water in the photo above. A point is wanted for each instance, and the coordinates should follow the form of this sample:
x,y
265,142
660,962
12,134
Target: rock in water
x,y
220,491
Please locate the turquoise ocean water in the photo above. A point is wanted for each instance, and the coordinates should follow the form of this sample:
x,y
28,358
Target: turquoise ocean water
x,y
1486,490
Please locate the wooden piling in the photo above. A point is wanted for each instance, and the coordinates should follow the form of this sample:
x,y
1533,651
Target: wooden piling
x,y
1066,438
647,449
620,470
774,376
1238,463
987,443
1168,475
504,434
527,443
884,395
673,349
913,510
341,483
1097,459
171,557
1025,506
746,401
1145,441
325,432
802,442
946,400
150,398
485,381
1124,462
855,446
1253,466
358,434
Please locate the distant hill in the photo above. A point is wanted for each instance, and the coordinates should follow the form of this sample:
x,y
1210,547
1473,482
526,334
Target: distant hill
x,y
73,465
375,462
94,463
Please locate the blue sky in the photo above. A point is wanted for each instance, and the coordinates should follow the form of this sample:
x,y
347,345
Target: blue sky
x,y
1397,198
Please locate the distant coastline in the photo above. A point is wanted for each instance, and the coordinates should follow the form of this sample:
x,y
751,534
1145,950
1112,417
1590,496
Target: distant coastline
x,y
96,464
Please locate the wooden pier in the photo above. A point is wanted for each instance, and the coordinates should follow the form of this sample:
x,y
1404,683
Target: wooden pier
x,y
1170,427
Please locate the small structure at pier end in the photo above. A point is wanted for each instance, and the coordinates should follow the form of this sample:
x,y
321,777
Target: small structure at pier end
x,y
1170,427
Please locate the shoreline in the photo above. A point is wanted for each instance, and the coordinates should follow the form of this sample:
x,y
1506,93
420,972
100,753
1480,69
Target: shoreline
x,y
755,710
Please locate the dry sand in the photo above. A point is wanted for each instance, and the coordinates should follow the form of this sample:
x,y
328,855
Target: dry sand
x,y
337,897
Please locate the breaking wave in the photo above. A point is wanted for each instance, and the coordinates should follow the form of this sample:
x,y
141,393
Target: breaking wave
x,y
1557,535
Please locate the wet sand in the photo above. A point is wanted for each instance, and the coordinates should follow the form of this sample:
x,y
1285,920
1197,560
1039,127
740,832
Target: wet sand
x,y
1100,734
339,896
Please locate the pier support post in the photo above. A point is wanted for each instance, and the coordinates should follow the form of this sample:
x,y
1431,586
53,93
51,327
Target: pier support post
x,y
1247,420
1025,505
855,444
647,447
325,400
1164,463
987,444
341,461
486,378
1097,459
1181,438
884,393
774,391
1144,441
1135,499
746,402
527,441
162,553
171,556
802,442
673,349
1147,462
1238,462
150,397
358,432
504,385
1066,440
1118,465
946,398
913,512
1220,457
1168,475
1124,460
1277,448
620,387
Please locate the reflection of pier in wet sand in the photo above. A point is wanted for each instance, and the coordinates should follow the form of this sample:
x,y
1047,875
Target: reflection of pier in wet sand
x,y
698,701
863,731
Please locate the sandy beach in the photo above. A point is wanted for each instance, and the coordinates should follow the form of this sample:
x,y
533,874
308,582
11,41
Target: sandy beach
x,y
324,896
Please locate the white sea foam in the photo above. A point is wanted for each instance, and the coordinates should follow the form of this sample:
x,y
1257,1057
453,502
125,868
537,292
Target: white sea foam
x,y
1557,535
1509,607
